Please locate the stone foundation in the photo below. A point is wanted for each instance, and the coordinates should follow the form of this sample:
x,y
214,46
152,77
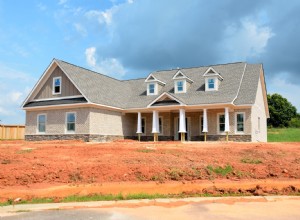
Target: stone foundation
x,y
83,137
109,138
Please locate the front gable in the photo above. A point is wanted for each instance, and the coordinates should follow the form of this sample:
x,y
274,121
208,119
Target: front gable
x,y
43,89
165,99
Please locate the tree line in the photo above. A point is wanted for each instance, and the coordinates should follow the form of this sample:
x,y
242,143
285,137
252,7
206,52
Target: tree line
x,y
282,112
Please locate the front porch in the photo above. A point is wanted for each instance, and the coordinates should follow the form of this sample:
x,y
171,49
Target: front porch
x,y
222,124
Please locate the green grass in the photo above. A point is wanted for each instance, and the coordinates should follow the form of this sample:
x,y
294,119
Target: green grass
x,y
284,135
251,160
145,150
25,151
220,170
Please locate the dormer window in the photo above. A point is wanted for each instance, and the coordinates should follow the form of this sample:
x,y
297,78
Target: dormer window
x,y
153,85
211,83
212,79
181,82
56,85
151,88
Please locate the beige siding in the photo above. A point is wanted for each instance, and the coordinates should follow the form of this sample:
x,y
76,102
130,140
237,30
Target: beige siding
x,y
105,122
67,87
258,111
56,121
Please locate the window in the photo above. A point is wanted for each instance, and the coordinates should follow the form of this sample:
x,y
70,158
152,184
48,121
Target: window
x,y
240,121
221,122
179,86
151,88
160,124
211,83
143,125
201,124
41,121
71,120
57,85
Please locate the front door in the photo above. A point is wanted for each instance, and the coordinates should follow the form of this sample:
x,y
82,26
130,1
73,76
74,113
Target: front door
x,y
176,128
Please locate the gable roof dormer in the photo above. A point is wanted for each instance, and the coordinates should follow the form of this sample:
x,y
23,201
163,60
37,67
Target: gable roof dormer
x,y
212,72
152,78
180,75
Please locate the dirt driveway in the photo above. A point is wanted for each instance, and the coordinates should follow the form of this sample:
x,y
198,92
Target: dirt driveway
x,y
32,167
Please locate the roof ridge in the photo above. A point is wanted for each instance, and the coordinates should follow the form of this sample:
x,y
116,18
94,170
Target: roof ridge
x,y
220,64
92,71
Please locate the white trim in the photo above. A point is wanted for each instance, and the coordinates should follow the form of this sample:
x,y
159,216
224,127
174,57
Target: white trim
x,y
215,73
58,98
218,123
183,86
66,123
167,94
154,80
155,88
53,85
37,123
175,77
237,94
235,122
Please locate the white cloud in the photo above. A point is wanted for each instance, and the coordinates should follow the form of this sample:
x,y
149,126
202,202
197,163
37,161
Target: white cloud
x,y
15,97
62,2
41,6
80,29
130,1
103,17
248,40
108,66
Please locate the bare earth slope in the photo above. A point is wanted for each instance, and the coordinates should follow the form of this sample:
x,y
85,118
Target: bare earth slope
x,y
32,167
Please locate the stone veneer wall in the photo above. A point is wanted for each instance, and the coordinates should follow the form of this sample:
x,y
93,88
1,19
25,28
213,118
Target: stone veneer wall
x,y
83,137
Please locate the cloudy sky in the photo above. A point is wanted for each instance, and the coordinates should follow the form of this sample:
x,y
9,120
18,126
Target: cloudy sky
x,y
130,38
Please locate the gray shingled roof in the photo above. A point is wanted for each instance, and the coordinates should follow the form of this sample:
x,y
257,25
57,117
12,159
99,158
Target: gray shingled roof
x,y
126,94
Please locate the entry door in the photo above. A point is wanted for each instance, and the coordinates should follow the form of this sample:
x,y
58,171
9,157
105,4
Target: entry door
x,y
176,128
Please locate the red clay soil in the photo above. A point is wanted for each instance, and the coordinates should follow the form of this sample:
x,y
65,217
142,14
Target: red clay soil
x,y
61,168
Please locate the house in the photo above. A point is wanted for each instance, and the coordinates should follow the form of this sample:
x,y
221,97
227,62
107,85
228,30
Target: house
x,y
218,102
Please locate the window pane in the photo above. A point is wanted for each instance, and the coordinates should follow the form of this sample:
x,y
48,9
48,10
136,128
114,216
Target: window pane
x,y
151,88
143,125
42,118
240,127
71,117
57,82
57,89
221,118
42,127
71,126
240,117
180,86
222,127
211,83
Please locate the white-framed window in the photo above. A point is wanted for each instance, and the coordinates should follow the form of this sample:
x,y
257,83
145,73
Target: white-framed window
x,y
56,86
239,122
151,90
41,123
221,123
180,86
160,124
211,84
70,122
201,124
143,125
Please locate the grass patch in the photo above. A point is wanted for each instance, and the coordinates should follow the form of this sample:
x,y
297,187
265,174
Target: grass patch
x,y
220,170
251,160
25,151
176,174
284,135
145,150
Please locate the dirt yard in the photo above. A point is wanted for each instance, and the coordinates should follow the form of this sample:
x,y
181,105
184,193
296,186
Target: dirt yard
x,y
61,168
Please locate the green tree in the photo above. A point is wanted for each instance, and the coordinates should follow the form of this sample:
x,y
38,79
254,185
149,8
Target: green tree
x,y
281,111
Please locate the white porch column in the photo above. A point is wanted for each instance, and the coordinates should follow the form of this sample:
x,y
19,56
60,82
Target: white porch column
x,y
227,120
205,121
155,125
139,123
182,126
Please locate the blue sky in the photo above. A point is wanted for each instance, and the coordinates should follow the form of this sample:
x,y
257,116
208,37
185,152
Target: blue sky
x,y
130,38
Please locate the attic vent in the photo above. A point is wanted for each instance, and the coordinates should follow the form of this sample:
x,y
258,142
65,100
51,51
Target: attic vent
x,y
211,71
151,78
179,75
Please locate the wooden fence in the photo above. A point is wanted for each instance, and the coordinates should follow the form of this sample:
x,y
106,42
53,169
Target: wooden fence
x,y
12,132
